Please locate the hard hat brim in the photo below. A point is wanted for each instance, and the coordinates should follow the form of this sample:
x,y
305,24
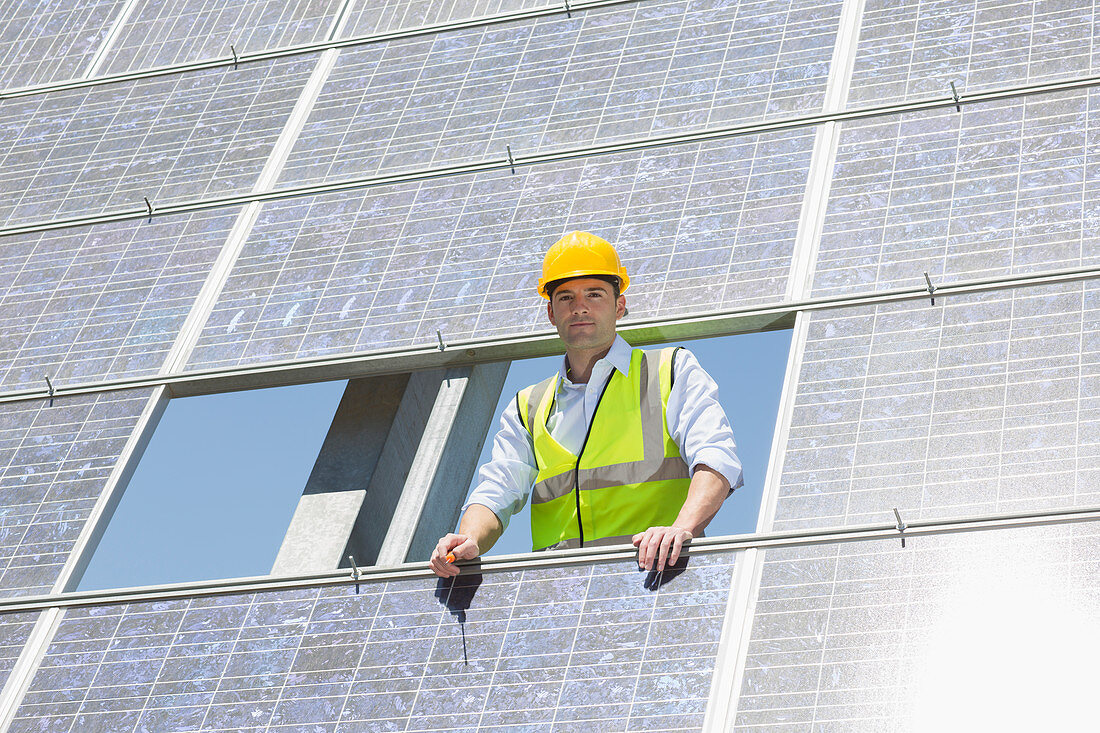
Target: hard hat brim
x,y
624,281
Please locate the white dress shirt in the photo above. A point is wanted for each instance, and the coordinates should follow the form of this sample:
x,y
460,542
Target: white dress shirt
x,y
696,421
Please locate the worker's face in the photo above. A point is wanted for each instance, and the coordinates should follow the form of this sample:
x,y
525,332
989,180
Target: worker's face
x,y
584,311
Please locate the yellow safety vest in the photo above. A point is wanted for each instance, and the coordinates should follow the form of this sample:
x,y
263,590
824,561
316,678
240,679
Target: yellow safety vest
x,y
629,475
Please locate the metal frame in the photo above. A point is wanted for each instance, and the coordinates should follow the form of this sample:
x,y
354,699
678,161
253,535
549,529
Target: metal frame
x,y
559,558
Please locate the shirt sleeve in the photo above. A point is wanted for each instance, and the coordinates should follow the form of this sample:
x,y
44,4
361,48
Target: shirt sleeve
x,y
697,422
505,481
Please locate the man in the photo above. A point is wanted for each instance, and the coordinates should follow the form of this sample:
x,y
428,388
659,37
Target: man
x,y
620,444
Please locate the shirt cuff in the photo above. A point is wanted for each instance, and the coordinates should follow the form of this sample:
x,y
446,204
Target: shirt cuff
x,y
721,462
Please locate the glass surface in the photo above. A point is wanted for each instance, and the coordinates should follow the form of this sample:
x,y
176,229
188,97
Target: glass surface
x,y
1003,189
592,642
622,72
51,40
979,404
179,137
216,487
913,50
986,630
749,371
102,302
368,17
55,460
162,34
700,227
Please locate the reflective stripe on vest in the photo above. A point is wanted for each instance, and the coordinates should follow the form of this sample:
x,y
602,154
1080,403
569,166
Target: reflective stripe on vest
x,y
629,476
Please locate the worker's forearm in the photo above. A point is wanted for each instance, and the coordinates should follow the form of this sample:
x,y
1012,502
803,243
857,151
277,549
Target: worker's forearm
x,y
707,491
480,524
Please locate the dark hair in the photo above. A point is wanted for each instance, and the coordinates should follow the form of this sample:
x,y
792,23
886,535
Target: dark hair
x,y
610,279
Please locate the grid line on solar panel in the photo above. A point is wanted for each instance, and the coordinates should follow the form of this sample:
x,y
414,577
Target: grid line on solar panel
x,y
913,50
977,405
173,138
370,17
1005,188
408,651
52,40
15,630
702,227
55,463
103,302
166,34
625,73
839,630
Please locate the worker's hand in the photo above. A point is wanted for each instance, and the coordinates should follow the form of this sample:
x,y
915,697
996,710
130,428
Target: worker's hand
x,y
660,546
458,546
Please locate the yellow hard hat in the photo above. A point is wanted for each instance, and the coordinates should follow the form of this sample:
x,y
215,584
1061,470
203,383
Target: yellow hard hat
x,y
580,254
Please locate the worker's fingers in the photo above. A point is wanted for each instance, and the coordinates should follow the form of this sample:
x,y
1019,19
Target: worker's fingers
x,y
438,561
466,550
667,536
678,544
652,545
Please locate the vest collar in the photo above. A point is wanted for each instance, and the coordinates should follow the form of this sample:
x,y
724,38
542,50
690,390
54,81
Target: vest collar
x,y
618,357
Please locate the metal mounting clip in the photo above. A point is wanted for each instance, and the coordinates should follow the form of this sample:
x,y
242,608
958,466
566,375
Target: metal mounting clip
x,y
901,526
355,573
439,335
511,160
149,206
235,59
568,10
931,288
956,97
49,386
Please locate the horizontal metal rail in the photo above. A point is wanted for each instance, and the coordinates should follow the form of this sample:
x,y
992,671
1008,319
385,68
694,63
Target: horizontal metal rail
x,y
520,161
306,48
768,316
559,558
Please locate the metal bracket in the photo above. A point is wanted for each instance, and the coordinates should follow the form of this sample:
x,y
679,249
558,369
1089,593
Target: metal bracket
x,y
235,59
149,206
901,526
49,386
568,10
956,97
438,335
511,160
931,288
355,573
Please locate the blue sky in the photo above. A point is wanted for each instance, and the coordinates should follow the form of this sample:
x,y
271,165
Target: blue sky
x,y
218,484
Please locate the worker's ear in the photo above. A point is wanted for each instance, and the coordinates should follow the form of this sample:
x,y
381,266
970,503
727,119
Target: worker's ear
x,y
620,307
550,312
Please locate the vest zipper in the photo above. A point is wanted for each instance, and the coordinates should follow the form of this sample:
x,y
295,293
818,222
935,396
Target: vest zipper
x,y
580,453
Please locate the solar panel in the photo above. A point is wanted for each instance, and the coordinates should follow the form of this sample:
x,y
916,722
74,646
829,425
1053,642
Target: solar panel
x,y
15,629
977,405
948,633
580,646
368,17
102,302
54,462
701,227
162,34
170,138
1004,188
607,74
51,40
913,50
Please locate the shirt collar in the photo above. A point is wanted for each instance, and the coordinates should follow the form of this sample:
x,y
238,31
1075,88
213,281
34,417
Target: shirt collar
x,y
618,356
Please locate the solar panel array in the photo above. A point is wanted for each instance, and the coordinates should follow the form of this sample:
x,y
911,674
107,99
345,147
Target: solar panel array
x,y
85,304
54,464
988,629
573,648
702,227
51,40
1004,188
621,72
169,138
163,34
980,404
912,50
